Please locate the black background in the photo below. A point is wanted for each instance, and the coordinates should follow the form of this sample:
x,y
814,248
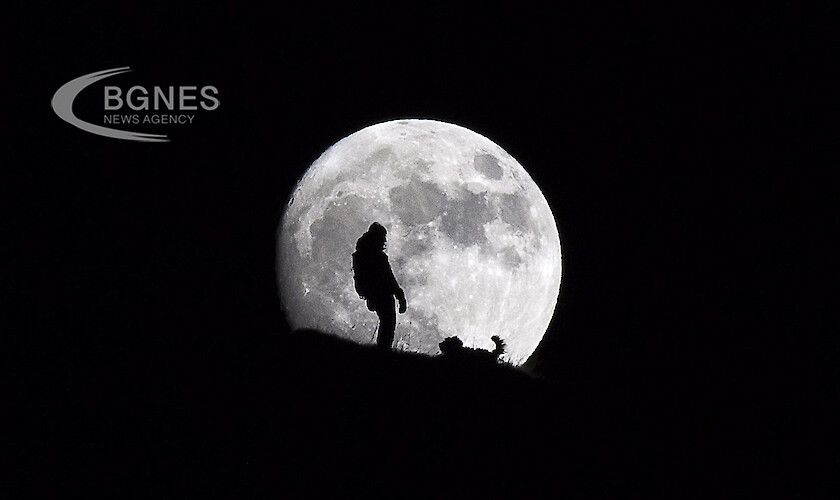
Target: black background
x,y
682,151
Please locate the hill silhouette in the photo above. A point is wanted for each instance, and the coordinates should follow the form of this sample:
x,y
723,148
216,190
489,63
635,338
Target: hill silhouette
x,y
335,418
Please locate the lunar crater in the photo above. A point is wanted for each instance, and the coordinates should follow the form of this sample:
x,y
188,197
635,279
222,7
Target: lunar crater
x,y
488,166
464,218
416,202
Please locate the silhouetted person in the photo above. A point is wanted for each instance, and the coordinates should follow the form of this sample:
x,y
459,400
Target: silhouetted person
x,y
375,282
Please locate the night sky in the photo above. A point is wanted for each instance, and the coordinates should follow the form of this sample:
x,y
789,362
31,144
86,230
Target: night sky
x,y
682,152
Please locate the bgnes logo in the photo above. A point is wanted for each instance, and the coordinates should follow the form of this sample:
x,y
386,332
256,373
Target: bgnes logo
x,y
175,100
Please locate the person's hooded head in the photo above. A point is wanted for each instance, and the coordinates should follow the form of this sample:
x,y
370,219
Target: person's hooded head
x,y
373,239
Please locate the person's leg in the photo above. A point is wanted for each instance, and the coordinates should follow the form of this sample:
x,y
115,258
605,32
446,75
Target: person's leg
x,y
387,323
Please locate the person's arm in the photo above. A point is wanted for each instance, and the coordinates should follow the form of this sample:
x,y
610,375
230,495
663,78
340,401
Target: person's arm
x,y
400,294
397,291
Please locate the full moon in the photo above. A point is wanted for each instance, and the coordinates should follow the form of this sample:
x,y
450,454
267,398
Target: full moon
x,y
471,239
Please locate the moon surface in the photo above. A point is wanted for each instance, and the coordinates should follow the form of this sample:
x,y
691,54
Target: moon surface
x,y
471,239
